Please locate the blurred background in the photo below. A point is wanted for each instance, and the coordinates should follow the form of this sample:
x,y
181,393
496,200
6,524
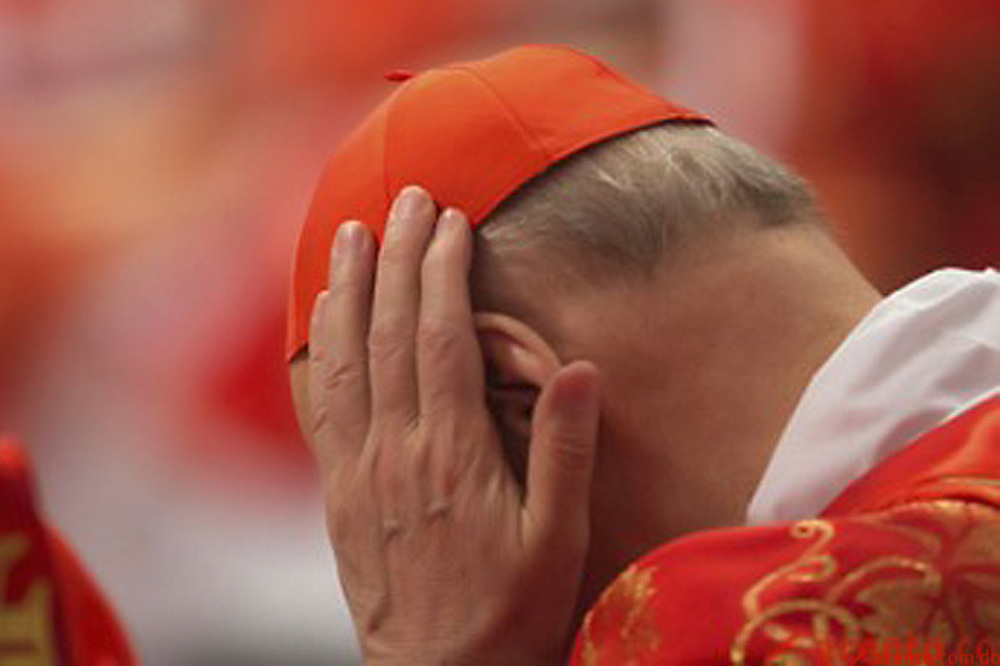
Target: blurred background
x,y
157,156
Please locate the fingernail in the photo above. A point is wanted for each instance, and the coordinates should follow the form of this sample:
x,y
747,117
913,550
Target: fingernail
x,y
350,238
409,203
450,217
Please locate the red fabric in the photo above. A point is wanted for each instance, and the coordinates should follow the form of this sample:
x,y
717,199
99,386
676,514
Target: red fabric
x,y
50,610
471,133
906,561
252,389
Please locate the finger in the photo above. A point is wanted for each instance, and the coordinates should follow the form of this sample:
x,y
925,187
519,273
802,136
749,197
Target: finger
x,y
338,348
449,361
561,458
391,340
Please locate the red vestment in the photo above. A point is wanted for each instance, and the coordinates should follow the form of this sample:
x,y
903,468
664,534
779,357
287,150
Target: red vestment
x,y
51,612
903,567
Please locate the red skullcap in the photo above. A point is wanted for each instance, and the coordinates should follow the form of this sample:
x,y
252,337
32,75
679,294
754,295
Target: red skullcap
x,y
471,134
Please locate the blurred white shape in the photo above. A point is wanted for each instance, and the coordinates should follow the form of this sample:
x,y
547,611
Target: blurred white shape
x,y
721,53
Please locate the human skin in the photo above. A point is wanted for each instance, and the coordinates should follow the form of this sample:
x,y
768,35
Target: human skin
x,y
443,557
700,366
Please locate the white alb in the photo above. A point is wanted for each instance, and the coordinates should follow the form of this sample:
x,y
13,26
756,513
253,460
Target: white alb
x,y
924,354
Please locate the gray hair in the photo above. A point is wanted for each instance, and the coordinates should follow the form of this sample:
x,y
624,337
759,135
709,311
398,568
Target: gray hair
x,y
625,203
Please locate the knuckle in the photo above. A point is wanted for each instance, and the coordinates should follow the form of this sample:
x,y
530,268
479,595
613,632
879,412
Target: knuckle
x,y
386,338
438,337
320,420
319,355
437,257
572,453
341,279
345,285
340,373
395,254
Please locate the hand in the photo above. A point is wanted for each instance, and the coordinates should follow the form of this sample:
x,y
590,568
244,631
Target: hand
x,y
443,557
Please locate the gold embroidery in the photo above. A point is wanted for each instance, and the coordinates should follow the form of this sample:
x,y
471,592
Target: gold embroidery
x,y
589,650
970,481
636,587
627,602
946,589
25,627
813,566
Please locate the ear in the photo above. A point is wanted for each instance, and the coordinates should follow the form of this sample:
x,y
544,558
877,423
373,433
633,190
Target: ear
x,y
519,362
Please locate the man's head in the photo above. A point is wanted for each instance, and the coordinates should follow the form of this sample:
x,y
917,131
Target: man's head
x,y
620,210
697,276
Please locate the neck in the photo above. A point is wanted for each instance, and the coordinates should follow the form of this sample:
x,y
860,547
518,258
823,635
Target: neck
x,y
728,338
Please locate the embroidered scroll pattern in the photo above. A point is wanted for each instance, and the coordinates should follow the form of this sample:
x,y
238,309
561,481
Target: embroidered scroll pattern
x,y
626,605
941,583
25,624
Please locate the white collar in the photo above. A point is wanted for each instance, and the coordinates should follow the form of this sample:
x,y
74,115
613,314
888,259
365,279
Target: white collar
x,y
923,354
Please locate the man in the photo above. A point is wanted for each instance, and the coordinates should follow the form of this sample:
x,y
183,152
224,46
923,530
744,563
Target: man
x,y
648,339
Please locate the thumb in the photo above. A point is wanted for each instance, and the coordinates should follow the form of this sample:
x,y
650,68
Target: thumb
x,y
561,457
